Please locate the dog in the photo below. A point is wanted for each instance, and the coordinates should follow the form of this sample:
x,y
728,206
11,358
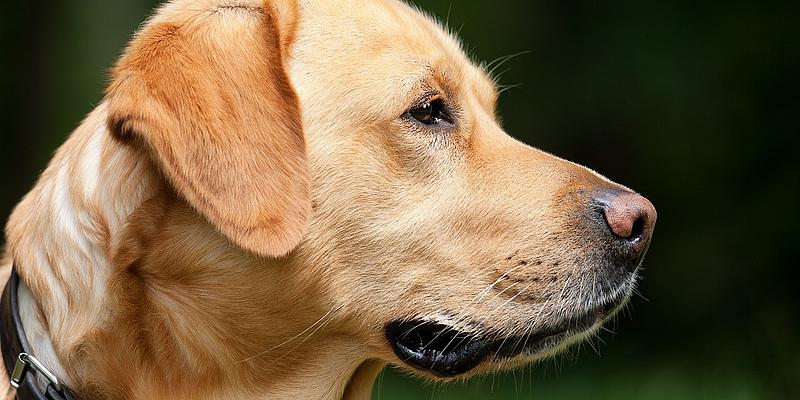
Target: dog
x,y
275,199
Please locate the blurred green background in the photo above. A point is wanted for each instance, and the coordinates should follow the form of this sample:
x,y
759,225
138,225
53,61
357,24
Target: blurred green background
x,y
694,104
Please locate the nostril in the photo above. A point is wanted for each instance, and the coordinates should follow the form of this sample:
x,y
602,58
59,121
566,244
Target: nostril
x,y
636,230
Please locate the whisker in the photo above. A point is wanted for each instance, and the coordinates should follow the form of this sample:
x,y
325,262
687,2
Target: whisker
x,y
500,75
601,341
488,288
589,341
331,311
491,313
639,294
447,20
504,88
458,33
406,333
499,61
302,341
605,329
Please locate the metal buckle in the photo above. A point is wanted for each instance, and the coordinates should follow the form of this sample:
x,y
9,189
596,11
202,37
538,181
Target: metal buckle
x,y
26,360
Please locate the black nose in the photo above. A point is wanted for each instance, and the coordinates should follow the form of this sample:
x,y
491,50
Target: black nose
x,y
630,219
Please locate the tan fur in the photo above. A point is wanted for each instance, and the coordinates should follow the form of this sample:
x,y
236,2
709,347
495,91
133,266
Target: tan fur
x,y
218,96
248,208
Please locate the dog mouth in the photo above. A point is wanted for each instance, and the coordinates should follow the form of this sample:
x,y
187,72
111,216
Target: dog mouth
x,y
445,351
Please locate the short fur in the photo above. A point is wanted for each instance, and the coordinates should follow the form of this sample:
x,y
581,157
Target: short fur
x,y
249,206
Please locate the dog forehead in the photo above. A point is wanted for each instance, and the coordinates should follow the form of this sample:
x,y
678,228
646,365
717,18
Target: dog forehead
x,y
364,29
355,49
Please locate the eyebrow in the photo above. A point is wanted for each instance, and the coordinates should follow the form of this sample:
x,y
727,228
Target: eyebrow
x,y
410,86
429,79
430,73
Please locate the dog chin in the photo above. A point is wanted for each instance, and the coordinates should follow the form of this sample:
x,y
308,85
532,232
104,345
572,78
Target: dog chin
x,y
435,347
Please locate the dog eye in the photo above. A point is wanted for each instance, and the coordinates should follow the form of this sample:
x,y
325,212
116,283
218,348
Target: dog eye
x,y
431,113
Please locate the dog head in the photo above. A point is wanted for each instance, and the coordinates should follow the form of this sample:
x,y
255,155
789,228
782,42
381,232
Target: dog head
x,y
356,141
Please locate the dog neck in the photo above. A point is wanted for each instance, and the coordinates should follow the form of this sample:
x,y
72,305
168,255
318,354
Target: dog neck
x,y
59,238
131,294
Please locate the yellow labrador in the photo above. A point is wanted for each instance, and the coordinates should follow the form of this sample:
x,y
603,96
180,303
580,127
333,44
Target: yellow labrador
x,y
277,198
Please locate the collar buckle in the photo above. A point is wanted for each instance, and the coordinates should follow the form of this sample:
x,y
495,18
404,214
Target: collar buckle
x,y
24,361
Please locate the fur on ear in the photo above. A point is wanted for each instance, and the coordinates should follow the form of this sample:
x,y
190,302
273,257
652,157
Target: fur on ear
x,y
208,95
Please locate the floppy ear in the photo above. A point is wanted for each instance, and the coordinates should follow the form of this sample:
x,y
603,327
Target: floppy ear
x,y
210,99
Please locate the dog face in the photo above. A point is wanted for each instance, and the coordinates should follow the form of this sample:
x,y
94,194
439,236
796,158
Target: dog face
x,y
471,249
364,149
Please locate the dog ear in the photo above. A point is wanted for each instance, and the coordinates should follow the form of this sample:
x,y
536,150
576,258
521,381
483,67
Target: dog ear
x,y
210,98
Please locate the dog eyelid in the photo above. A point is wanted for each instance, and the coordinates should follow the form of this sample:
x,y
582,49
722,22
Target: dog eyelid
x,y
432,111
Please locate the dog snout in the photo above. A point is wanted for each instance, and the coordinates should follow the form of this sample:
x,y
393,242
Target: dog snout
x,y
629,222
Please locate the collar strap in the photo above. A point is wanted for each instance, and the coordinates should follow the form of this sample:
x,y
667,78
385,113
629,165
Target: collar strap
x,y
17,355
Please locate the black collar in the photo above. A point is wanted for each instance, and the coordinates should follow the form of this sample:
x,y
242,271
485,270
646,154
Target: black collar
x,y
20,363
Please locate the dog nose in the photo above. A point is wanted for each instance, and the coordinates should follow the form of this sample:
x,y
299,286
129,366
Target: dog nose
x,y
630,218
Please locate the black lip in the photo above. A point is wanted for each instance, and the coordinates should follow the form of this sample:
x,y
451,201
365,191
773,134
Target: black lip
x,y
446,352
436,348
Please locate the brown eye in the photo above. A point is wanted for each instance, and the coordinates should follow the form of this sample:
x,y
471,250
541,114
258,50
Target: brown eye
x,y
431,113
